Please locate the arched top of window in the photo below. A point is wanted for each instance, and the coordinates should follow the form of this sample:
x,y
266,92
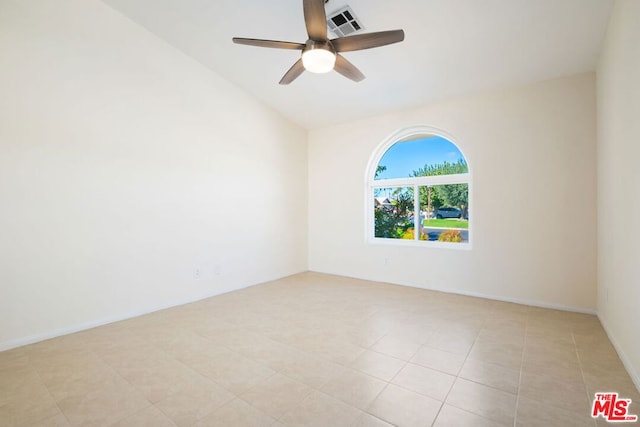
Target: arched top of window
x,y
421,155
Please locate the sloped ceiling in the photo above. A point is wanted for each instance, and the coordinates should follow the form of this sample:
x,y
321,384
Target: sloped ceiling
x,y
451,48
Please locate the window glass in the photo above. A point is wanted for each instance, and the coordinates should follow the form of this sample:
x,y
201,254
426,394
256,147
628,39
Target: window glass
x,y
406,158
445,212
420,191
393,212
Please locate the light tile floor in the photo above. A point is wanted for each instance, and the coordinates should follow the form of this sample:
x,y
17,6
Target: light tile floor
x,y
320,350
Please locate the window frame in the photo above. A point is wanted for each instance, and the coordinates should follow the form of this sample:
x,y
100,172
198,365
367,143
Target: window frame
x,y
371,184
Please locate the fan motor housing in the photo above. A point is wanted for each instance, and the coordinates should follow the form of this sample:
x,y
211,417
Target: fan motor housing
x,y
313,44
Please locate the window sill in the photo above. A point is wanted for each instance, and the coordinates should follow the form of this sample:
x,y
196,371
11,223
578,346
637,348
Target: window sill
x,y
427,244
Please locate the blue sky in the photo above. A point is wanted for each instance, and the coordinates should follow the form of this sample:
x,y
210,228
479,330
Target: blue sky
x,y
405,157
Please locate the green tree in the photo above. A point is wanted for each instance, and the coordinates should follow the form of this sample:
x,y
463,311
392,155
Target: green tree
x,y
445,168
392,221
448,194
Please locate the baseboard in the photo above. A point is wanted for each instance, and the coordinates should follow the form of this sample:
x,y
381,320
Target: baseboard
x,y
635,376
8,345
521,301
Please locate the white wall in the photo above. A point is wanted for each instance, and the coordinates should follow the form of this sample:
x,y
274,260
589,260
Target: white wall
x,y
532,155
618,180
124,166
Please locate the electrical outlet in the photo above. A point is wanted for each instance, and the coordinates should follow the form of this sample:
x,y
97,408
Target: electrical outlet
x,y
217,270
197,273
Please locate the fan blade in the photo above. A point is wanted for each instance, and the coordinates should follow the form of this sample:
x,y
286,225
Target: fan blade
x,y
347,69
269,43
367,41
315,19
293,73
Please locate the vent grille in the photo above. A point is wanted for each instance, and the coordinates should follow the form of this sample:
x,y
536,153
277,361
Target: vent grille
x,y
344,22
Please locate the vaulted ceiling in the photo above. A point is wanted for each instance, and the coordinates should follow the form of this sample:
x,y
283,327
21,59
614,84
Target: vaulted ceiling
x,y
452,48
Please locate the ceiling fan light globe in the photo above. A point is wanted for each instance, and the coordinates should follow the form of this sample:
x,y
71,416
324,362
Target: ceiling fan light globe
x,y
318,60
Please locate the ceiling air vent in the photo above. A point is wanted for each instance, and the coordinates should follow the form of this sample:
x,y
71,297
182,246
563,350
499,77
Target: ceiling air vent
x,y
344,22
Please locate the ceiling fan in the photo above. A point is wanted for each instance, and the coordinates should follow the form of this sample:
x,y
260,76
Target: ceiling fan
x,y
319,53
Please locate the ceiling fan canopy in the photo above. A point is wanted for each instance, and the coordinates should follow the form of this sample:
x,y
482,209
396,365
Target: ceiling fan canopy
x,y
320,54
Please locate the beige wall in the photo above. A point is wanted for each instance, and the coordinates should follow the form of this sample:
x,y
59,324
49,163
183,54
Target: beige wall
x,y
125,166
618,180
532,154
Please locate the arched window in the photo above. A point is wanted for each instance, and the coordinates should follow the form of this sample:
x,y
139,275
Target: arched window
x,y
418,191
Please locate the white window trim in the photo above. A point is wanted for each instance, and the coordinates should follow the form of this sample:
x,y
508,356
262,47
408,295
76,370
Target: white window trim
x,y
371,184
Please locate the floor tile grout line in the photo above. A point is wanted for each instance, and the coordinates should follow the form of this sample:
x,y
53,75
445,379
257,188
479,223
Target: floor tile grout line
x,y
522,359
319,388
131,415
114,372
326,395
584,381
457,376
151,404
390,381
49,392
367,411
229,402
